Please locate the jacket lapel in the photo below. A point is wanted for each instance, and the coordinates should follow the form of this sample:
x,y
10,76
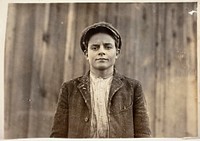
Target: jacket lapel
x,y
84,88
115,85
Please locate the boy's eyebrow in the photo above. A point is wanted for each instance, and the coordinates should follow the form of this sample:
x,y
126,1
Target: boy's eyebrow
x,y
94,44
107,43
103,43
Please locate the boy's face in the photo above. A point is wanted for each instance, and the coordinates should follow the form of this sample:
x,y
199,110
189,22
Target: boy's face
x,y
102,52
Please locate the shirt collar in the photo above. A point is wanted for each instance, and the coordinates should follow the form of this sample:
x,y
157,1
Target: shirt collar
x,y
93,77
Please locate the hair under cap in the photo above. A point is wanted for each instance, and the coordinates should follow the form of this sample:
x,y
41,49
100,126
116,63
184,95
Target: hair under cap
x,y
101,27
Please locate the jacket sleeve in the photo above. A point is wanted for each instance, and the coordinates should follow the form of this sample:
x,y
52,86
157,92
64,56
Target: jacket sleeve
x,y
60,123
141,118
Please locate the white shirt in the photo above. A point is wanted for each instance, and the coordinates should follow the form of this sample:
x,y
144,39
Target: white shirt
x,y
99,89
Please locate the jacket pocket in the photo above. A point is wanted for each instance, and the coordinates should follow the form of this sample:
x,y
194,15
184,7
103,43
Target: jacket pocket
x,y
121,104
126,107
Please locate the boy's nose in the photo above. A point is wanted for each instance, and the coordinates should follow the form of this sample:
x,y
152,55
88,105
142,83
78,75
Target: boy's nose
x,y
101,50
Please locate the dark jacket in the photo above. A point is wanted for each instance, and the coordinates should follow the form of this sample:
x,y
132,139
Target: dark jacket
x,y
127,111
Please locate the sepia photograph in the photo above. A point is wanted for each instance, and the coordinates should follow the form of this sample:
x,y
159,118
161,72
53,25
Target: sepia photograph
x,y
101,70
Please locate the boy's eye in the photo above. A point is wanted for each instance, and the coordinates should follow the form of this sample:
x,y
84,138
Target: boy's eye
x,y
94,47
108,46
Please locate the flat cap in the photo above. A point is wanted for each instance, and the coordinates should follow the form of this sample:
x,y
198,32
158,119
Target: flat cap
x,y
100,27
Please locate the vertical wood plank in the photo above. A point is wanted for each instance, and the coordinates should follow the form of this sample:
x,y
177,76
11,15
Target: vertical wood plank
x,y
70,42
81,21
9,55
111,16
145,55
36,94
190,43
131,40
176,80
160,69
52,67
124,29
22,69
103,13
169,44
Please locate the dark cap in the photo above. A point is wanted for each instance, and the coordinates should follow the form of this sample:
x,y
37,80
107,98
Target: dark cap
x,y
101,27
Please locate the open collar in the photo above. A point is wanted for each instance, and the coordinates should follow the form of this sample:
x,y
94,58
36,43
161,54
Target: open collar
x,y
84,86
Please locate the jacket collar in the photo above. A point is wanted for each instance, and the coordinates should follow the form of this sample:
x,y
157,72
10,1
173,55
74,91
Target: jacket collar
x,y
115,85
84,86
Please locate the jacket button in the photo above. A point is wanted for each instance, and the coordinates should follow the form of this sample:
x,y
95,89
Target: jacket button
x,y
86,119
124,107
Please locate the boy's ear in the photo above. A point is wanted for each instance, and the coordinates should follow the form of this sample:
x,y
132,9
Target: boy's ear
x,y
117,53
85,52
86,55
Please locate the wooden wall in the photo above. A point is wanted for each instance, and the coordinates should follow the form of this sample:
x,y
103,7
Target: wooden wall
x,y
42,50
